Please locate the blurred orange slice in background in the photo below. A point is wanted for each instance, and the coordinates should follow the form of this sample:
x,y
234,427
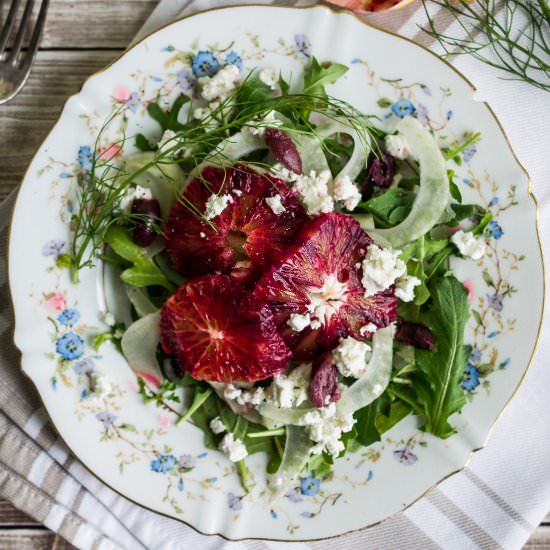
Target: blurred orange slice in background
x,y
371,5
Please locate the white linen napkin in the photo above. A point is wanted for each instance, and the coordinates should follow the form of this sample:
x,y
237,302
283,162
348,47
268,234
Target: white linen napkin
x,y
496,502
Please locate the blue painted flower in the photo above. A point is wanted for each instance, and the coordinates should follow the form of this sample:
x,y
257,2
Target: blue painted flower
x,y
84,157
303,45
84,366
83,394
307,514
70,346
156,78
370,475
495,301
403,108
467,181
180,485
470,379
405,456
495,230
233,58
163,463
186,80
492,334
64,175
422,115
133,102
449,115
234,502
53,383
505,363
425,89
53,248
475,356
205,63
68,317
309,486
493,201
106,418
187,462
204,454
293,496
469,152
168,48
273,514
355,60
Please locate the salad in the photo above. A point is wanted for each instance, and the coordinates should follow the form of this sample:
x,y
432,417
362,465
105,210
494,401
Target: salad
x,y
287,261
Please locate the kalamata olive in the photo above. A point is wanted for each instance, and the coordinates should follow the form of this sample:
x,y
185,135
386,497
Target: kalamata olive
x,y
382,170
283,149
415,334
144,234
323,387
148,207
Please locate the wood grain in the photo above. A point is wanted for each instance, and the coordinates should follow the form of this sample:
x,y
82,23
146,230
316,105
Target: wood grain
x,y
32,539
92,23
10,516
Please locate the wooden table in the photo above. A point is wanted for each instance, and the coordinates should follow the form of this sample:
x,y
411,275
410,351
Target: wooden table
x,y
80,37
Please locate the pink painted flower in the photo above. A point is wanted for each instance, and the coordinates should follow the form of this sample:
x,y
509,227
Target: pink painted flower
x,y
122,94
469,286
56,302
111,152
164,421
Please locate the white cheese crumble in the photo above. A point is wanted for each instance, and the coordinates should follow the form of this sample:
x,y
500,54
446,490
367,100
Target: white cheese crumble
x,y
258,125
231,392
275,204
298,322
290,390
314,192
216,204
381,267
200,112
217,87
217,426
268,77
369,327
325,427
468,245
397,146
350,357
108,318
326,300
346,192
100,386
133,193
233,448
167,141
404,287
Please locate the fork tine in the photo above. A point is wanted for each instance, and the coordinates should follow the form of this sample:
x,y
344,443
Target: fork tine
x,y
23,24
36,35
8,25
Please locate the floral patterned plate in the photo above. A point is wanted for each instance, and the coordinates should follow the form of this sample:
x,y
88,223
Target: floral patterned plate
x,y
136,448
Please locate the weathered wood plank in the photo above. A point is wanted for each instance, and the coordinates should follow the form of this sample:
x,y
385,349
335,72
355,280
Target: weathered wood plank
x,y
540,539
31,539
10,516
25,121
93,23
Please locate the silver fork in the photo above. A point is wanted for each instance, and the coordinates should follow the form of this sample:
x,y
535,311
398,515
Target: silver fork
x,y
14,65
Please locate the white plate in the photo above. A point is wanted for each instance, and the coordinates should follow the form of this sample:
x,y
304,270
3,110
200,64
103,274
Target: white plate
x,y
137,449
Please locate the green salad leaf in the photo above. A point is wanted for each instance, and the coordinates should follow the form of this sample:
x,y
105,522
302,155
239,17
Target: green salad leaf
x,y
318,75
390,208
438,388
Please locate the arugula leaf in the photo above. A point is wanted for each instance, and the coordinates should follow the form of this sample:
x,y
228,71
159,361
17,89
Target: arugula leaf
x,y
317,76
438,383
367,433
144,271
390,208
453,187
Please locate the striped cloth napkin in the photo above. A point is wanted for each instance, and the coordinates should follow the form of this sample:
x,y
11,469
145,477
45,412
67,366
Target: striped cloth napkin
x,y
496,502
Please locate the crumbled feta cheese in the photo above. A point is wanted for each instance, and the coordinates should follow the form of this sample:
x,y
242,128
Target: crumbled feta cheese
x,y
468,245
254,396
345,191
298,322
381,267
219,85
216,204
314,192
315,324
325,427
133,193
268,77
275,204
282,172
217,426
233,448
100,386
237,192
258,125
350,357
167,141
326,300
369,327
202,235
397,146
108,318
404,287
201,112
231,392
290,390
